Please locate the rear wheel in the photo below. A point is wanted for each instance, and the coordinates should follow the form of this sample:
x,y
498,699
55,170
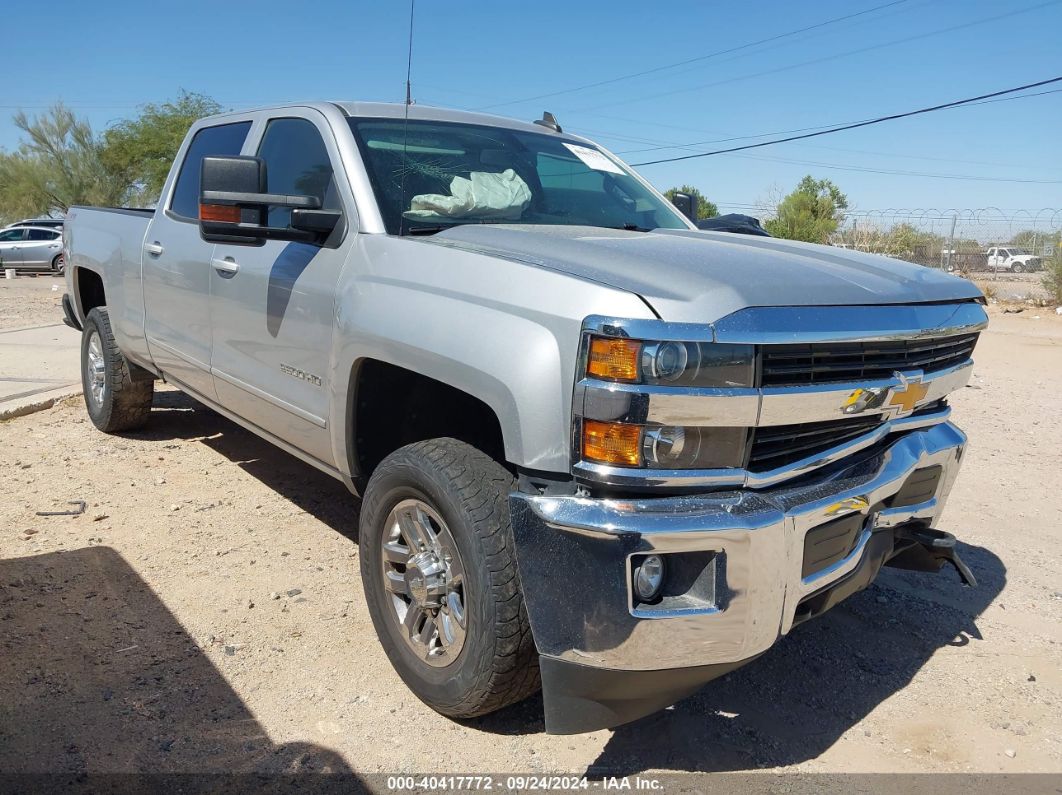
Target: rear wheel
x,y
1017,267
58,263
438,566
118,394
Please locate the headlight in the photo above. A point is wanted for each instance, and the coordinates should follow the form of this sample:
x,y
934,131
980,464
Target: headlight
x,y
671,363
666,363
693,447
663,447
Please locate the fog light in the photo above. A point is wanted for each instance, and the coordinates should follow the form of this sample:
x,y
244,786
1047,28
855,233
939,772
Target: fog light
x,y
648,577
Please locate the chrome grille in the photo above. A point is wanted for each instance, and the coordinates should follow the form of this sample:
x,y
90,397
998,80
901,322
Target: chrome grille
x,y
829,362
777,445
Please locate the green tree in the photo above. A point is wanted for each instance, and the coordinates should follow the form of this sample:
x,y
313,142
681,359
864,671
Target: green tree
x,y
811,213
141,150
705,208
1035,240
57,165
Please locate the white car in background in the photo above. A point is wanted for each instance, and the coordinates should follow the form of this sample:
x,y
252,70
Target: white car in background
x,y
36,248
1012,258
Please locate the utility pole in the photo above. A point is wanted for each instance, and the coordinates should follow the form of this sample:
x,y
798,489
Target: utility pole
x,y
951,244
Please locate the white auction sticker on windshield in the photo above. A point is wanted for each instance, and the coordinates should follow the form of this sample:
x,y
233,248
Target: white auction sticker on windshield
x,y
593,158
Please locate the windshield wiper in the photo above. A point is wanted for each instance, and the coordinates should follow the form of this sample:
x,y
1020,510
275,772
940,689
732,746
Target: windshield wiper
x,y
431,230
630,228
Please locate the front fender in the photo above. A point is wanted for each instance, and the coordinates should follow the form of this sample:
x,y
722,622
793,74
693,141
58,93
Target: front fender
x,y
501,331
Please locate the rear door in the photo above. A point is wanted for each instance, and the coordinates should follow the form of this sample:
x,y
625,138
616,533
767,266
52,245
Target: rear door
x,y
40,248
273,305
11,247
176,273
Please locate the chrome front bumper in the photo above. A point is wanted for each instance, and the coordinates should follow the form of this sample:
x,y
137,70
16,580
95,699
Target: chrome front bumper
x,y
573,556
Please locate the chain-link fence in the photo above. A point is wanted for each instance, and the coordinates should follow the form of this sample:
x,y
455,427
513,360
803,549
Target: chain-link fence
x,y
969,241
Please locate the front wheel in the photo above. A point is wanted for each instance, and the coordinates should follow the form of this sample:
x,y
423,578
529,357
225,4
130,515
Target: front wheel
x,y
438,566
118,394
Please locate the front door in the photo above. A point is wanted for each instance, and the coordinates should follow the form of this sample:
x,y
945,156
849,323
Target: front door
x,y
11,247
273,305
177,268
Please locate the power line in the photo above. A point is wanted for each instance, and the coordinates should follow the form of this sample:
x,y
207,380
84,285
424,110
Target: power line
x,y
665,145
699,58
825,58
866,123
899,173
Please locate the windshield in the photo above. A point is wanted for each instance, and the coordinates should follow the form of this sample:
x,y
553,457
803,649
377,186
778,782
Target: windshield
x,y
430,175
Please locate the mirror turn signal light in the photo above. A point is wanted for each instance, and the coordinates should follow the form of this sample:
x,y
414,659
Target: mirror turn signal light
x,y
614,359
612,443
229,213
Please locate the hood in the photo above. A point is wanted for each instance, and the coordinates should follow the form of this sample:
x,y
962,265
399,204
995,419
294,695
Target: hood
x,y
700,277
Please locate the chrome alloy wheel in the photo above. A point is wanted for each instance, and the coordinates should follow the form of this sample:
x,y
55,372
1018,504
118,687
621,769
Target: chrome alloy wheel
x,y
424,577
97,369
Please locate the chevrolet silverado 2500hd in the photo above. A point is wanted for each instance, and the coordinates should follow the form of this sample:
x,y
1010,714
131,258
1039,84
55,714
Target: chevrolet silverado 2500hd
x,y
599,451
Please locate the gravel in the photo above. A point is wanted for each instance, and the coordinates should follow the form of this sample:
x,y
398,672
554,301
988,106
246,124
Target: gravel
x,y
130,639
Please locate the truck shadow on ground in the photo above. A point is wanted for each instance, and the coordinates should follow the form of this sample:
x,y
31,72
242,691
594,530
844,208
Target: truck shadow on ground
x,y
178,417
98,677
787,707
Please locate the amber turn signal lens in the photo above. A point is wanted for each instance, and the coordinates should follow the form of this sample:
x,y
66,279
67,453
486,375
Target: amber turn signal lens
x,y
612,443
229,213
614,359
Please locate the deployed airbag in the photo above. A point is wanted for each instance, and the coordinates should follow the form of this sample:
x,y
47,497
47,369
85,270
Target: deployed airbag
x,y
483,195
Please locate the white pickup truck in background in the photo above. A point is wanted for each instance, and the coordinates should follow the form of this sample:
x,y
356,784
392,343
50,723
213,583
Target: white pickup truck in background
x,y
1012,258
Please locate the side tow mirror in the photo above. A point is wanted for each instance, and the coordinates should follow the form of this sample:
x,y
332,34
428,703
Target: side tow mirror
x,y
234,206
687,205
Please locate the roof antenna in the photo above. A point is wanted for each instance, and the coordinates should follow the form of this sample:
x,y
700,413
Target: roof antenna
x,y
405,125
409,59
548,120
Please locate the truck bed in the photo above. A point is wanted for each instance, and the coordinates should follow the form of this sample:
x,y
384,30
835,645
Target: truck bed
x,y
110,242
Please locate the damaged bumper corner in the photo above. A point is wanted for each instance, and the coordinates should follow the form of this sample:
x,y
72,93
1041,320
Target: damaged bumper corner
x,y
744,567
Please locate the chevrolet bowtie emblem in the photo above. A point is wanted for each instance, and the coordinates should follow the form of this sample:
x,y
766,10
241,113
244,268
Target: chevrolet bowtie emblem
x,y
906,396
896,401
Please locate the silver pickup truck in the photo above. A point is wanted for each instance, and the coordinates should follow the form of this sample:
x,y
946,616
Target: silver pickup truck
x,y
599,451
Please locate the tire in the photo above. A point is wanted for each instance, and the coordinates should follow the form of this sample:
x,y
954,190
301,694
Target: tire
x,y
58,264
463,495
1017,267
117,394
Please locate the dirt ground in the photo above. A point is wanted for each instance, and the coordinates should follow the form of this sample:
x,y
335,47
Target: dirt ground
x,y
31,301
1011,287
205,614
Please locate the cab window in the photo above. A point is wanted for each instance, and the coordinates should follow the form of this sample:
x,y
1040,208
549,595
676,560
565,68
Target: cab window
x,y
224,140
297,164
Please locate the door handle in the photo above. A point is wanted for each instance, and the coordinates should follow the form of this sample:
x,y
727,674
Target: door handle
x,y
227,265
154,249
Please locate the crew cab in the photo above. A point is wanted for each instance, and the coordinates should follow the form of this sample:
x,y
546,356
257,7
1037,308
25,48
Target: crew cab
x,y
598,451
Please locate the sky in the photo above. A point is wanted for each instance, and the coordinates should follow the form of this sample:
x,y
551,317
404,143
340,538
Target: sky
x,y
106,58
